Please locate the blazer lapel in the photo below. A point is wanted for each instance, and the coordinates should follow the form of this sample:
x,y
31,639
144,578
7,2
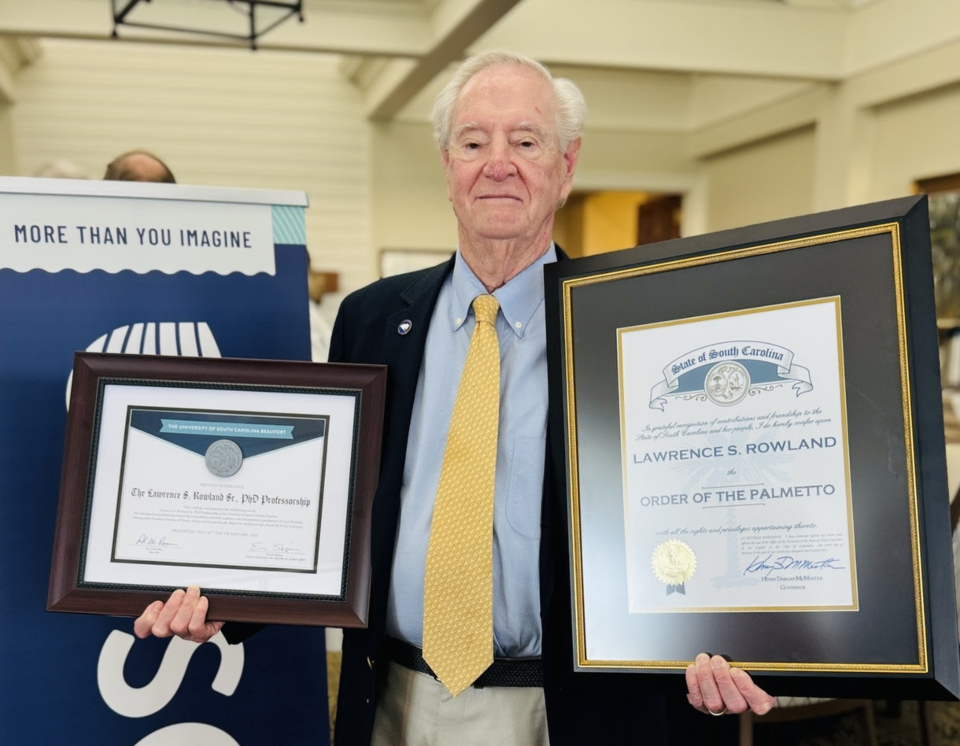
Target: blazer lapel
x,y
405,331
404,338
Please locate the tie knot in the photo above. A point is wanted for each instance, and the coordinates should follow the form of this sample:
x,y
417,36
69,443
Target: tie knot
x,y
485,308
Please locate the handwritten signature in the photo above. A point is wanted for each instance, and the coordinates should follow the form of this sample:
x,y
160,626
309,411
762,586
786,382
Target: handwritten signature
x,y
259,546
150,541
771,564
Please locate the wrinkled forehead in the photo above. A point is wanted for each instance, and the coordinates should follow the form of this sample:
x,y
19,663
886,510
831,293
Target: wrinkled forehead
x,y
508,94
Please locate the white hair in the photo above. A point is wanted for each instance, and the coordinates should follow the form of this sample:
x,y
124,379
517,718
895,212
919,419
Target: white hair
x,y
571,109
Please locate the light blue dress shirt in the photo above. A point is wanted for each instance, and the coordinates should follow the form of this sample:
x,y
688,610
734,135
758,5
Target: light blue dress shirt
x,y
520,456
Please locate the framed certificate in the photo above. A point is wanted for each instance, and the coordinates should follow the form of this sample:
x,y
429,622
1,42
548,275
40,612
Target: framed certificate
x,y
754,455
250,478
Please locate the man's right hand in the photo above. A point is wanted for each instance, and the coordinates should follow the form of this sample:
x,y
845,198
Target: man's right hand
x,y
184,615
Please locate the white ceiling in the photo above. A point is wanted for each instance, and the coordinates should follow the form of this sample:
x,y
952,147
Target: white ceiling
x,y
397,51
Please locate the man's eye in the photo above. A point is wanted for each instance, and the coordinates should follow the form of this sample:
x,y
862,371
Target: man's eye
x,y
471,146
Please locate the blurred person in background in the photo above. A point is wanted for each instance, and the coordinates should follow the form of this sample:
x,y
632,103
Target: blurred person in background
x,y
138,165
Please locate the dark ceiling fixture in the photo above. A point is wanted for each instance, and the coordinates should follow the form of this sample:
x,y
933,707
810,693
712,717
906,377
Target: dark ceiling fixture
x,y
256,29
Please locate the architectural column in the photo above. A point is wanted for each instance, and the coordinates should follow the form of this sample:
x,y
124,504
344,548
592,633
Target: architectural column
x,y
842,159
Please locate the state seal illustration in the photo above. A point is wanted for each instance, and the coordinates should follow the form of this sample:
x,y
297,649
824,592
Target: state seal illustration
x,y
727,383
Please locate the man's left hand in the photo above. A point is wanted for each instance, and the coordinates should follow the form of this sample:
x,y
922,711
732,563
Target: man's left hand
x,y
714,687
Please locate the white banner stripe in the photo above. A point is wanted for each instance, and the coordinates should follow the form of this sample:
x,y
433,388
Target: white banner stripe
x,y
168,338
150,340
134,340
208,343
188,340
117,338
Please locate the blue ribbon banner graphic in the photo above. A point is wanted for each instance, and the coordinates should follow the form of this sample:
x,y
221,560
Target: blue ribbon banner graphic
x,y
226,429
727,372
255,434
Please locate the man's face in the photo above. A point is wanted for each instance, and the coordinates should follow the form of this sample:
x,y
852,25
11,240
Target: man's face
x,y
504,169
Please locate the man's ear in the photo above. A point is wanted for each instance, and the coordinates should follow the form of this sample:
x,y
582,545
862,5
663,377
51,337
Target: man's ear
x,y
445,160
571,155
570,165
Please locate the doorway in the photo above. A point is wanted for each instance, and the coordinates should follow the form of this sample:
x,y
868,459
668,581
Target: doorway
x,y
600,221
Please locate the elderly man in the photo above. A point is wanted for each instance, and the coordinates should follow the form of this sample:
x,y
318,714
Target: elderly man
x,y
469,640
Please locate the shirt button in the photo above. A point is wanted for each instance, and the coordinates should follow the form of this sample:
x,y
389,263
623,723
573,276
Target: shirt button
x,y
518,325
458,321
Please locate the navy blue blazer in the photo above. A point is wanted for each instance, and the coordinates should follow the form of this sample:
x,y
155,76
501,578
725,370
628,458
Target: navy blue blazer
x,y
581,709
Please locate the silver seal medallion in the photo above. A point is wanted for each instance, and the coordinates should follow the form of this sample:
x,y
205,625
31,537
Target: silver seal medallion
x,y
223,458
727,383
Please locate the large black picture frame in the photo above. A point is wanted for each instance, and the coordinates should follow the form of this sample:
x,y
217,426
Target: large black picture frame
x,y
902,638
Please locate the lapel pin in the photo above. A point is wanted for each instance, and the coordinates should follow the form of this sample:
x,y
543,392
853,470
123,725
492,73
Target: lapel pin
x,y
405,326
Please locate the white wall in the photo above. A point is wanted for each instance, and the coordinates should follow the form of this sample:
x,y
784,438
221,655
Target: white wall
x,y
767,180
14,53
868,138
410,205
8,160
218,117
915,139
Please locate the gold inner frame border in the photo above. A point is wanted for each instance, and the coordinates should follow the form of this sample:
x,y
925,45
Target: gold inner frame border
x,y
567,287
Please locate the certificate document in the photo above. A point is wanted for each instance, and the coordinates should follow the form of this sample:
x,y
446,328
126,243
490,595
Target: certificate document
x,y
230,488
735,465
221,489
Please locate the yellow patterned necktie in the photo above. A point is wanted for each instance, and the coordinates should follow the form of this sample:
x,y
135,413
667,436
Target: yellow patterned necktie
x,y
458,588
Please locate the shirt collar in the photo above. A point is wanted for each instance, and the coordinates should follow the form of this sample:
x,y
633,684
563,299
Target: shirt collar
x,y
519,298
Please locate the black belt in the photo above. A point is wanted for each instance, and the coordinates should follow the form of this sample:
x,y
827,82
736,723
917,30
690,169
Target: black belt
x,y
502,672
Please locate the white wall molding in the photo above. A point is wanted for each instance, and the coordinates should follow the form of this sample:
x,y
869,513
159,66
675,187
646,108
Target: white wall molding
x,y
787,115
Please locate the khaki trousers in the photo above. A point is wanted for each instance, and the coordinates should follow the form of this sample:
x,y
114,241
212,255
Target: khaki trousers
x,y
417,710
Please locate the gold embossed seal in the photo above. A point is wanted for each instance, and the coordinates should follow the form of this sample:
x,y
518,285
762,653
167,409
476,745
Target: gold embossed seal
x,y
674,562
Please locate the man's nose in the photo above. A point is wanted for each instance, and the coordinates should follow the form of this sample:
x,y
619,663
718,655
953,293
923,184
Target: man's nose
x,y
499,163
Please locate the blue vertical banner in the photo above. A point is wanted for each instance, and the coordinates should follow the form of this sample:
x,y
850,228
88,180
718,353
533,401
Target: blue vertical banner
x,y
142,269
